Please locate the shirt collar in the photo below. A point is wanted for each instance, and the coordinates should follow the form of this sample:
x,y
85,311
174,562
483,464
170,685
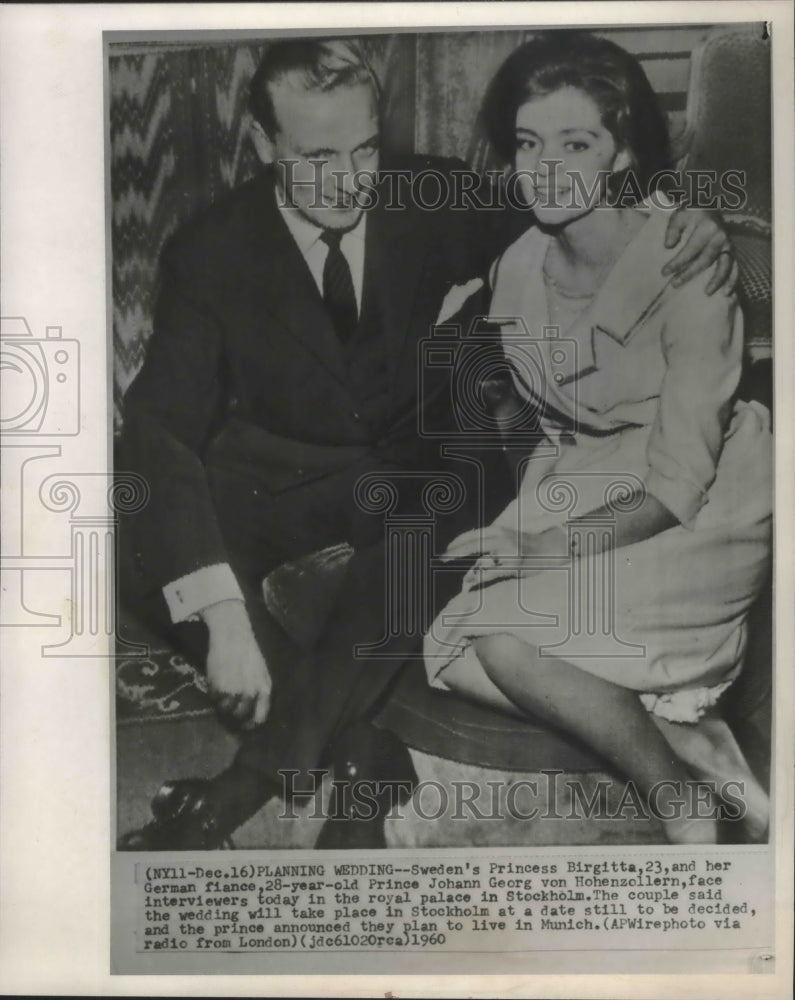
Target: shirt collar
x,y
304,232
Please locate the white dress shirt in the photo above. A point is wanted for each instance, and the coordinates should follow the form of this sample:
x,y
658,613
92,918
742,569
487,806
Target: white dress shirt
x,y
314,250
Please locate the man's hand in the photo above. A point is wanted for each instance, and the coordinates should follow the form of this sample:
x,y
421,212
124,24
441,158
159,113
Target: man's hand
x,y
706,245
238,676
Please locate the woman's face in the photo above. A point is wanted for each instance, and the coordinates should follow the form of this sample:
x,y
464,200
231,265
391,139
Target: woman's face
x,y
563,155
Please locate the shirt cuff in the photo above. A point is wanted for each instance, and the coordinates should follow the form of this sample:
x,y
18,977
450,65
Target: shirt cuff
x,y
683,499
198,590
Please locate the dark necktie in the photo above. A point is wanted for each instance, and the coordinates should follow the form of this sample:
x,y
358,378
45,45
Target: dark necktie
x,y
338,291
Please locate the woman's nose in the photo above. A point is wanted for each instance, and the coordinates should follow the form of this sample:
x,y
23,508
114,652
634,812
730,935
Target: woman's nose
x,y
548,167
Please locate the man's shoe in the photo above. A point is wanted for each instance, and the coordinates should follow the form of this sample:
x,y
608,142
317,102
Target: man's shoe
x,y
381,764
186,818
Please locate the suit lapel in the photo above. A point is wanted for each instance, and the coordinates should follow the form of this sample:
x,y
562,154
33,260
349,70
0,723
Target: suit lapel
x,y
285,286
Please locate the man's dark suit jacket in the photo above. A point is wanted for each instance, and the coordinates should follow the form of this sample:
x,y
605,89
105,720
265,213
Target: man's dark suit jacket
x,y
243,418
244,367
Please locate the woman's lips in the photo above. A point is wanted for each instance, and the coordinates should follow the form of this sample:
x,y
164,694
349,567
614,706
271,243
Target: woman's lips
x,y
558,197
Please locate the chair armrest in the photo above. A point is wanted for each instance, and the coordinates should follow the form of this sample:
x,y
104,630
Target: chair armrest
x,y
743,222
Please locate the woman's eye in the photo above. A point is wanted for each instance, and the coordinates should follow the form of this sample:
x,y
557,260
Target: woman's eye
x,y
576,146
525,145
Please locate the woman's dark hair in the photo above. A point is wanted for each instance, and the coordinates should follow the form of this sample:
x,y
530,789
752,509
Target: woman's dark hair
x,y
610,76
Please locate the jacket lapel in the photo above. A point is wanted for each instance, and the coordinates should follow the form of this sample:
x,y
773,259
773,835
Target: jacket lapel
x,y
393,266
284,284
631,291
636,283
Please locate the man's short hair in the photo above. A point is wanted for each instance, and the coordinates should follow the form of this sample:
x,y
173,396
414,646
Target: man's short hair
x,y
317,64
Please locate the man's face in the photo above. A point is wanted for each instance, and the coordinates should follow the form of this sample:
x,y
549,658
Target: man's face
x,y
325,143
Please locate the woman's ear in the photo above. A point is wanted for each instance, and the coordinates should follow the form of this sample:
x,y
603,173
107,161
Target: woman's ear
x,y
623,161
262,142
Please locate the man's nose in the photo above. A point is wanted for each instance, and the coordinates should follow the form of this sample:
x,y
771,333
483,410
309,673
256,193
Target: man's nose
x,y
344,171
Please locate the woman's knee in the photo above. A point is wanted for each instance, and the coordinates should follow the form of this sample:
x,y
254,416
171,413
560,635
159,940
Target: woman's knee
x,y
501,650
467,678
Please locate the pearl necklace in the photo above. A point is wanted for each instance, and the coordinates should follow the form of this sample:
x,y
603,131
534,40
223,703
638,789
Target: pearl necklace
x,y
567,293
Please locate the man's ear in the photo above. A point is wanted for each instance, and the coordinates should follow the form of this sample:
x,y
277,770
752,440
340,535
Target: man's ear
x,y
262,142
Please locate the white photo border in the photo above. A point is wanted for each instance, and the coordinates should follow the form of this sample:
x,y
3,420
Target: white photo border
x,y
54,710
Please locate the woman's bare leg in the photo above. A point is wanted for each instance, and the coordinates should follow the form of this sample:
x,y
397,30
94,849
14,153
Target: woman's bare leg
x,y
607,717
466,677
711,753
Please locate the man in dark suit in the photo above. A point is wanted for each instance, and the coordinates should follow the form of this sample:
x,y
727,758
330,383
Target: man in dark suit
x,y
283,368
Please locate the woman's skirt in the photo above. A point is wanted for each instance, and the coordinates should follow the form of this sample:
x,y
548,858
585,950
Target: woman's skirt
x,y
666,616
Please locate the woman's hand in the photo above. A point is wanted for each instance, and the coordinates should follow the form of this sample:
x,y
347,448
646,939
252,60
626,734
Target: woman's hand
x,y
492,540
493,545
500,542
508,554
